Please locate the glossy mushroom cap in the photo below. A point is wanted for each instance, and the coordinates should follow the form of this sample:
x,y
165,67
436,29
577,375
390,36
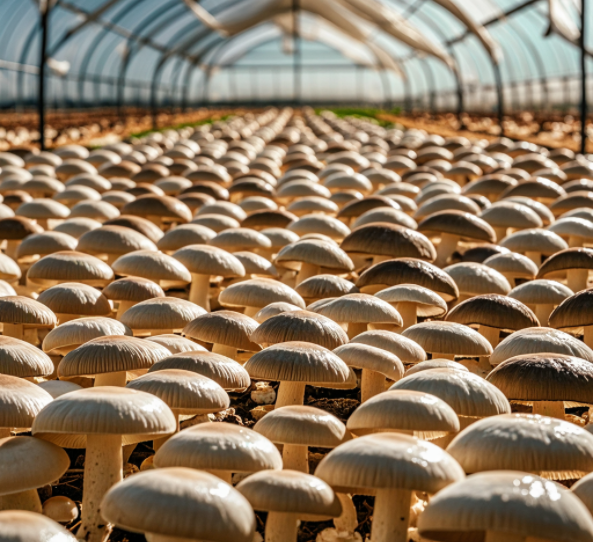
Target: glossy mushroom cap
x,y
23,526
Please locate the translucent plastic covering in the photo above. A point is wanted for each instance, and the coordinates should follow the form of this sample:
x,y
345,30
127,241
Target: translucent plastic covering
x,y
426,53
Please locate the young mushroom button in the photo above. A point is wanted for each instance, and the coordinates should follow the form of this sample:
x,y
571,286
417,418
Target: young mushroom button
x,y
23,526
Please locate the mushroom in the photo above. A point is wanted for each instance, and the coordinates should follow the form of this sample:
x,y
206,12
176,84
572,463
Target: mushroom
x,y
503,215
76,227
24,526
19,358
551,448
61,509
408,351
390,466
452,226
165,270
184,235
541,296
324,286
186,393
129,291
504,506
388,215
221,449
21,317
547,381
42,244
534,243
182,504
411,301
296,364
14,230
577,262
577,231
477,279
141,225
175,344
435,364
111,242
432,202
513,266
376,365
108,359
71,300
121,416
415,413
42,211
319,223
299,326
572,313
286,496
160,210
237,239
227,331
30,463
204,262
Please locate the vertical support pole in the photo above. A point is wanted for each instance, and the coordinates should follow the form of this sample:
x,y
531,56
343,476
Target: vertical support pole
x,y
500,96
296,52
583,79
44,8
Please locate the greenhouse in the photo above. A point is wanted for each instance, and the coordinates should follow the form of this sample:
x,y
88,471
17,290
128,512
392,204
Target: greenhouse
x,y
296,271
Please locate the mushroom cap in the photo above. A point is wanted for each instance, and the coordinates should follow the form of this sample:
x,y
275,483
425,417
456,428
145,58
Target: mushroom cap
x,y
223,327
273,309
106,410
536,187
77,226
318,223
18,227
19,358
512,263
154,266
433,202
573,226
310,204
467,394
534,240
387,215
357,207
405,349
545,377
463,225
259,292
183,391
73,333
224,371
570,258
75,298
24,310
371,358
323,286
291,492
448,338
161,313
427,302
174,343
572,200
255,264
183,235
225,208
549,447
298,362
540,339
234,239
43,209
511,215
29,463
9,269
24,526
435,364
477,279
180,503
511,502
114,240
541,292
388,461
70,266
45,243
300,326
20,401
268,218
574,312
97,210
316,252
132,289
216,223
383,239
209,260
360,308
303,426
427,416
141,225
582,489
111,354
160,206
489,185
495,311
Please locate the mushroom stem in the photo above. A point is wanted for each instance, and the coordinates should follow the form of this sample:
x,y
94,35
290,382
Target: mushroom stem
x,y
224,350
158,442
574,241
122,307
379,259
491,334
543,313
23,500
111,379
281,527
408,314
102,469
199,290
391,515
553,409
356,328
12,247
296,457
308,270
535,257
348,520
156,220
372,383
501,233
5,432
290,393
63,317
251,311
14,330
443,442
588,336
576,279
439,355
492,536
446,247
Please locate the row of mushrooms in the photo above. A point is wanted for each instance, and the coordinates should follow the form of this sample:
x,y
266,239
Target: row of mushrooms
x,y
151,289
